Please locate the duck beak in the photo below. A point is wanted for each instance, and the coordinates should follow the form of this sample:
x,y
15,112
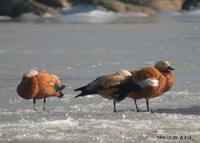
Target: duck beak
x,y
170,68
62,87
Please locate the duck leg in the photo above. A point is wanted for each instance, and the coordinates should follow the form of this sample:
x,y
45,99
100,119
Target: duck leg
x,y
114,104
135,101
44,103
34,102
147,102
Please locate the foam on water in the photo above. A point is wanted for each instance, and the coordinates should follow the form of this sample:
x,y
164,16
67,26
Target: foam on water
x,y
4,18
195,12
189,16
92,14
81,14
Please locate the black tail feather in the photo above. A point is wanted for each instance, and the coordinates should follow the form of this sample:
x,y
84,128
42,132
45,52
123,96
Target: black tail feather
x,y
126,87
83,88
84,91
79,95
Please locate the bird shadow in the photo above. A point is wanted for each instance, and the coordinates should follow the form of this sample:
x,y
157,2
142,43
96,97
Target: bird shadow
x,y
130,110
193,110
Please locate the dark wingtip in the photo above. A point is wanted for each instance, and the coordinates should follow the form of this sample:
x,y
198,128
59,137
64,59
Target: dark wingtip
x,y
125,88
80,88
76,96
76,89
79,95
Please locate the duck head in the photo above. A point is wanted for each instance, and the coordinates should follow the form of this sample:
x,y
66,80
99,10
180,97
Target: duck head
x,y
163,66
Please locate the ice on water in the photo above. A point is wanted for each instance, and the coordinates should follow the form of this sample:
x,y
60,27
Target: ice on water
x,y
78,53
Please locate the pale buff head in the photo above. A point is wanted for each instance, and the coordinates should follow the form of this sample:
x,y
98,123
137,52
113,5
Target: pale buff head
x,y
57,80
124,73
55,76
30,74
163,66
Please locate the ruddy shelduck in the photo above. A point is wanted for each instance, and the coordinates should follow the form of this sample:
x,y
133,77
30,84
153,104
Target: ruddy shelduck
x,y
153,81
39,85
103,86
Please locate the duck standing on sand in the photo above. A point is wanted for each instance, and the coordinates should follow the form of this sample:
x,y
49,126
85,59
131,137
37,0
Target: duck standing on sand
x,y
154,81
39,84
103,86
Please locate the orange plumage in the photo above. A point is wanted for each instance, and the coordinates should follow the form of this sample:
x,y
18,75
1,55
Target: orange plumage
x,y
38,84
154,81
103,86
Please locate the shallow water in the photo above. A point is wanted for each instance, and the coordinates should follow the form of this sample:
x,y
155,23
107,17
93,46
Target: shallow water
x,y
78,53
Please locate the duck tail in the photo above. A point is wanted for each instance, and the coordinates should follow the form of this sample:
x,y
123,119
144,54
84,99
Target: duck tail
x,y
84,91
